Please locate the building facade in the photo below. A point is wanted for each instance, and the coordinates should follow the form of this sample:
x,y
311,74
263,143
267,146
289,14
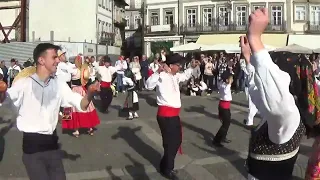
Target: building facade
x,y
179,22
305,17
92,21
133,29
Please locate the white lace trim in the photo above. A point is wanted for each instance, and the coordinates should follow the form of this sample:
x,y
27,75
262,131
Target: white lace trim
x,y
279,157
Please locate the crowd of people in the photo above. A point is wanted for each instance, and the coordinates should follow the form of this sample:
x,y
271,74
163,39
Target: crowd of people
x,y
283,91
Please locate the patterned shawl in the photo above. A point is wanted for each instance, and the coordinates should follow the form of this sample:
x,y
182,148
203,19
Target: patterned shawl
x,y
304,89
308,99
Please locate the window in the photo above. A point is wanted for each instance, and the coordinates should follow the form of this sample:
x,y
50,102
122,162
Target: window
x,y
241,15
191,17
127,18
100,3
137,21
276,15
207,16
223,16
255,7
154,18
169,17
137,4
300,13
314,15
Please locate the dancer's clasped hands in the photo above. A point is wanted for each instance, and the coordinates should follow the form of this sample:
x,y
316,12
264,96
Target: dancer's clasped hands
x,y
258,21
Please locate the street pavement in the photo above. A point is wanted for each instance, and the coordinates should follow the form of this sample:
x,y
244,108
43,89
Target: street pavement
x,y
125,150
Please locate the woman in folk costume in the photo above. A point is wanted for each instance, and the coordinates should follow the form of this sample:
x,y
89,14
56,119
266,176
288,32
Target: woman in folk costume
x,y
274,143
132,100
81,119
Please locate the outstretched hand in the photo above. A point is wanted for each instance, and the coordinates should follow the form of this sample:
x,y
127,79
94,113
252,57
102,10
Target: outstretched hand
x,y
245,48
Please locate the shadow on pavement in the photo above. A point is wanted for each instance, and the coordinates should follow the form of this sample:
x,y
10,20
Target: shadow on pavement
x,y
137,170
150,100
201,110
146,151
112,175
207,137
3,132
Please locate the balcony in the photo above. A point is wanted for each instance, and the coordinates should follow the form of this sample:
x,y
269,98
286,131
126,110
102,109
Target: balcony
x,y
225,28
312,27
167,29
106,38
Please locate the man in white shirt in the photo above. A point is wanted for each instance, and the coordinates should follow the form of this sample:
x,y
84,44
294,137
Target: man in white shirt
x,y
169,104
13,70
37,100
104,74
122,64
64,69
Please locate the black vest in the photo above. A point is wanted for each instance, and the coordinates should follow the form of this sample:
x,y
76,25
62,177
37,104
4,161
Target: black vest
x,y
260,143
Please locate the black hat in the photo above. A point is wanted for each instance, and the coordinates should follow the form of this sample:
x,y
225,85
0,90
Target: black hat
x,y
106,59
225,75
175,59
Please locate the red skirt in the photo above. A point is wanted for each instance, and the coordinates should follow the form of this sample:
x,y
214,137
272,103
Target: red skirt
x,y
87,119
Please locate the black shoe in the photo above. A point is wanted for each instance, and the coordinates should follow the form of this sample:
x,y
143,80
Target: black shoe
x,y
172,175
245,122
217,144
226,140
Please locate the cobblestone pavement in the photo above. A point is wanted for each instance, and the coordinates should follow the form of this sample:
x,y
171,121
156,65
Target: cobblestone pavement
x,y
123,150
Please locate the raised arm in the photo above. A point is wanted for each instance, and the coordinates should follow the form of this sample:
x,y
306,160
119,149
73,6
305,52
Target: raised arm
x,y
152,81
271,93
13,99
272,97
186,75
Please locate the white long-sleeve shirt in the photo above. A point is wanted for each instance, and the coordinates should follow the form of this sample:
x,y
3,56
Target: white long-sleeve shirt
x,y
168,90
122,64
154,67
37,103
65,70
225,92
269,91
106,73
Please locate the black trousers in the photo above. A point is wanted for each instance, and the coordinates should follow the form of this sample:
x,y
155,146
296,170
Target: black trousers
x,y
225,118
171,139
106,97
209,81
44,165
274,170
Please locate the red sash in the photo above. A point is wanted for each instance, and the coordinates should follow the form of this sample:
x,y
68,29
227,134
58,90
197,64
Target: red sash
x,y
105,84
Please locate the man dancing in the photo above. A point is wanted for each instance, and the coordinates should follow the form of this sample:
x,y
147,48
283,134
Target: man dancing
x,y
274,144
104,73
169,103
45,94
